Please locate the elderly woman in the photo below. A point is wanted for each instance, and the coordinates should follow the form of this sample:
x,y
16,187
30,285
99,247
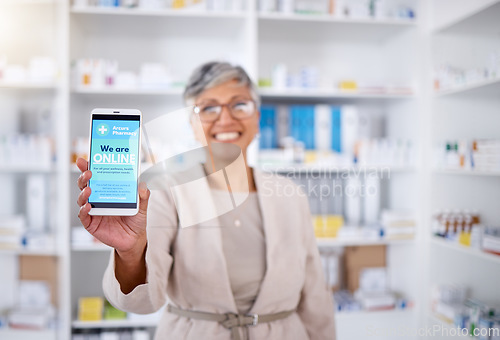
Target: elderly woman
x,y
256,276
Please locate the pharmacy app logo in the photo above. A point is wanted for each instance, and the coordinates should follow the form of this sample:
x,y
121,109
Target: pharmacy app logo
x,y
102,130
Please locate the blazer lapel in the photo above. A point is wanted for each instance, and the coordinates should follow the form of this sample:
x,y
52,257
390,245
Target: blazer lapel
x,y
266,207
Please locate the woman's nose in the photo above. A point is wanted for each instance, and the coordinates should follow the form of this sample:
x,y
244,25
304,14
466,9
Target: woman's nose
x,y
225,116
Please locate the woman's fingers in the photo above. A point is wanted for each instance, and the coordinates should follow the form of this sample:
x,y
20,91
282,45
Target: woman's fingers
x,y
84,216
83,179
144,194
83,197
82,164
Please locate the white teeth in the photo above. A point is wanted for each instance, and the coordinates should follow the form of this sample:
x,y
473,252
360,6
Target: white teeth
x,y
224,136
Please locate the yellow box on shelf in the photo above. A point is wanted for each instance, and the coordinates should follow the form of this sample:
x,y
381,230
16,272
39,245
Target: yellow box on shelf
x,y
464,239
327,225
90,308
310,157
348,85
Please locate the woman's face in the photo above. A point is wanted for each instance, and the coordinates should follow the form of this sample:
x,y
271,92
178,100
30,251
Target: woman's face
x,y
227,129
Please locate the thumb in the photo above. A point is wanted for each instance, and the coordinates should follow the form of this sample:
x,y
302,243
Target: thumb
x,y
144,195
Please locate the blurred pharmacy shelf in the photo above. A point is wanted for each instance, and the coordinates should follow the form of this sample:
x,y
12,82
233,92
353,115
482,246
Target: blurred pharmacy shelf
x,y
346,315
27,85
30,252
138,92
436,320
25,170
90,247
304,169
114,324
334,20
180,13
357,324
486,87
335,242
26,2
328,27
299,94
319,94
441,242
467,172
23,334
481,20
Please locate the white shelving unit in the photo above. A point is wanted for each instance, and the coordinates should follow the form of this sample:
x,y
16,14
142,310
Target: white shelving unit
x,y
177,13
468,111
114,324
326,94
16,334
491,86
128,92
32,28
376,322
307,169
255,34
326,18
27,86
30,252
336,242
467,172
92,247
391,50
470,252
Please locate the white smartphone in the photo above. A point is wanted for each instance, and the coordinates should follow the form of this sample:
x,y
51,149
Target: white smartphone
x,y
114,159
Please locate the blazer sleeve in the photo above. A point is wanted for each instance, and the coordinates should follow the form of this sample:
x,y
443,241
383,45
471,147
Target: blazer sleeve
x,y
315,307
161,231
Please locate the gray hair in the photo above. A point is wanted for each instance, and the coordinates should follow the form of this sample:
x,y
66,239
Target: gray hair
x,y
215,73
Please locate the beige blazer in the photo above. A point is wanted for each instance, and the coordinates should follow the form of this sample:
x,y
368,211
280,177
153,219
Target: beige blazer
x,y
187,268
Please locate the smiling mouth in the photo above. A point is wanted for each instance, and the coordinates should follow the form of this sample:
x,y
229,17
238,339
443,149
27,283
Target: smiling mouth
x,y
227,136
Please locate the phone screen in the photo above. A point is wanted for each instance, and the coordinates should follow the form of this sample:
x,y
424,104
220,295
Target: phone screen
x,y
114,152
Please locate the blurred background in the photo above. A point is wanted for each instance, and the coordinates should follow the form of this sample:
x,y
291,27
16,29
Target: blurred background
x,y
386,111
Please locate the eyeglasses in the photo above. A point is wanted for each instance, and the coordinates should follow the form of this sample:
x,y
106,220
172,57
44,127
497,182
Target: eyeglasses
x,y
239,109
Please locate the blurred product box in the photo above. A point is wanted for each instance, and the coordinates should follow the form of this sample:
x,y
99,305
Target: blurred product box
x,y
112,313
40,268
327,225
90,308
358,258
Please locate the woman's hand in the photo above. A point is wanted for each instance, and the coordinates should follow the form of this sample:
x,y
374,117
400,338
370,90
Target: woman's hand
x,y
126,234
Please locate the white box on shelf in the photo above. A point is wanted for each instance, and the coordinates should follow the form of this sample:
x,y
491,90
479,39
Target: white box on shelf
x,y
323,127
36,199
